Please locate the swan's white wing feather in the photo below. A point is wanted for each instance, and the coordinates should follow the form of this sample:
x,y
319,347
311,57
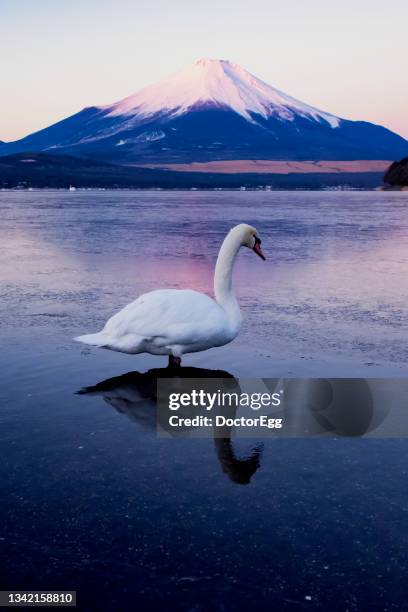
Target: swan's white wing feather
x,y
169,317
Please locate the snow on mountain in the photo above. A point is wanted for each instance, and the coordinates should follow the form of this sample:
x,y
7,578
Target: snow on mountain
x,y
212,110
219,83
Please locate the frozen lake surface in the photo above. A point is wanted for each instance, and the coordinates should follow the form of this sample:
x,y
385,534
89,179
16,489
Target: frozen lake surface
x,y
93,501
330,299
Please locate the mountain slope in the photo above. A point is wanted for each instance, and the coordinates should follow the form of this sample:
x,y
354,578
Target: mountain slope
x,y
211,110
221,84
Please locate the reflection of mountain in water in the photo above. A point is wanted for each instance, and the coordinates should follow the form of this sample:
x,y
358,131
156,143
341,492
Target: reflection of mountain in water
x,y
135,395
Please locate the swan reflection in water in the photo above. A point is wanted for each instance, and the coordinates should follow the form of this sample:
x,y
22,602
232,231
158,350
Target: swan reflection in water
x,y
135,395
311,408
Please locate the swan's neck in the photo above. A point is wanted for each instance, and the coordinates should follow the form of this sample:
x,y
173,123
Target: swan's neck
x,y
223,292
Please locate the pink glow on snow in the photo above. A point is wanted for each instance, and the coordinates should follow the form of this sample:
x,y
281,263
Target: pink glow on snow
x,y
218,82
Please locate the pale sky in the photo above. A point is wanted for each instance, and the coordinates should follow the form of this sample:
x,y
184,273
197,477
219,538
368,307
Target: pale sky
x,y
58,56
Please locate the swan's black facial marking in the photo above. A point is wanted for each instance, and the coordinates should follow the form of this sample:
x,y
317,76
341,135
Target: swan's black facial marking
x,y
257,247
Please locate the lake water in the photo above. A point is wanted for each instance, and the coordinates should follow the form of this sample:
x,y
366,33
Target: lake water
x,y
93,501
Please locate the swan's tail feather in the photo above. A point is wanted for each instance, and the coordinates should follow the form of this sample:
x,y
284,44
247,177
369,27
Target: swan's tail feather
x,y
98,339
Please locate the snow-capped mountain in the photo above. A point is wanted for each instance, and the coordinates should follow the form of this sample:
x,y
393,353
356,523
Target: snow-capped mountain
x,y
221,84
211,110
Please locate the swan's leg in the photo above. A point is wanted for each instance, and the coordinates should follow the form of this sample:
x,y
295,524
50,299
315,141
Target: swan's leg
x,y
174,362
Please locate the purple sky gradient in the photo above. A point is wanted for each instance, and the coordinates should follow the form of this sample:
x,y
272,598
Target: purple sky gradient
x,y
346,58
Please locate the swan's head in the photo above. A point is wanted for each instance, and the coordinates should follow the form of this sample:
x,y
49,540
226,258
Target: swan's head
x,y
249,238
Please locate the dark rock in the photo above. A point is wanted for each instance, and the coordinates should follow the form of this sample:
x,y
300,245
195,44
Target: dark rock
x,y
397,174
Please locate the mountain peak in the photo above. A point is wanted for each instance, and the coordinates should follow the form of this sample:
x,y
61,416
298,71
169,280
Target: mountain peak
x,y
207,62
211,110
219,83
213,64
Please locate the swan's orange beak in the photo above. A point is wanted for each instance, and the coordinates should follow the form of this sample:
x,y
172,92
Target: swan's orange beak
x,y
258,250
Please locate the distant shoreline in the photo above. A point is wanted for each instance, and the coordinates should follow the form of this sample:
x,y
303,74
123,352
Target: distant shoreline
x,y
266,166
337,188
51,171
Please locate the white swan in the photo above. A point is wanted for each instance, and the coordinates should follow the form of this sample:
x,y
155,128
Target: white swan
x,y
178,321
